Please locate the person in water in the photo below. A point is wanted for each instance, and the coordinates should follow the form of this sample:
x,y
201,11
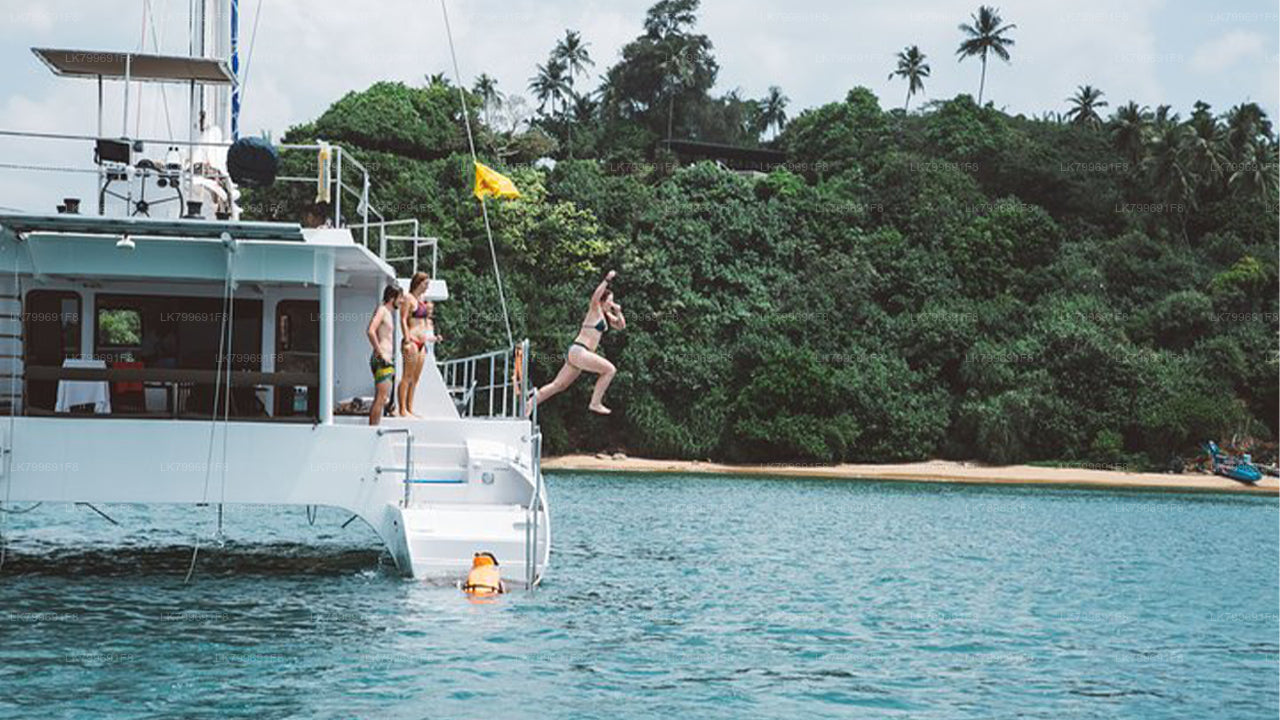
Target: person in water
x,y
484,580
417,326
382,361
602,314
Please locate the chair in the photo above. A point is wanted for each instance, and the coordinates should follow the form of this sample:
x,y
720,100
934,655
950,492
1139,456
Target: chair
x,y
128,395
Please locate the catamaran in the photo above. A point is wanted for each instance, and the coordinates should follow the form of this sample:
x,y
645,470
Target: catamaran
x,y
155,347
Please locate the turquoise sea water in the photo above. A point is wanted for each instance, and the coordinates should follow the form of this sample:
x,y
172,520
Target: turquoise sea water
x,y
668,597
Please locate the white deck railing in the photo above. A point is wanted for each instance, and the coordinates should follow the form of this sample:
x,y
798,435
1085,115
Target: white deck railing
x,y
493,385
344,176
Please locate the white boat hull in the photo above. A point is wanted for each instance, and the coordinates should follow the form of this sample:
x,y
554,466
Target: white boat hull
x,y
470,488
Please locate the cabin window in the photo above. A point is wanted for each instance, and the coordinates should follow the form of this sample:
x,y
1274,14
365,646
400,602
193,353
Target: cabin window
x,y
176,332
119,327
298,350
51,334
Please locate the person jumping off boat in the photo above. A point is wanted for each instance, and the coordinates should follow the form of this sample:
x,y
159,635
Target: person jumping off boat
x,y
382,361
417,326
484,580
602,314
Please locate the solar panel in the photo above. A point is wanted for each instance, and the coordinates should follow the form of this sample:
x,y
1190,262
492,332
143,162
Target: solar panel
x,y
140,67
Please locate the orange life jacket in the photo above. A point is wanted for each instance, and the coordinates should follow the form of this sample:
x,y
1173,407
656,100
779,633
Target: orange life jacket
x,y
483,580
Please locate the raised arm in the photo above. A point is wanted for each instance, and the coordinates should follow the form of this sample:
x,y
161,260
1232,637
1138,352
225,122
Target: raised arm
x,y
616,319
598,295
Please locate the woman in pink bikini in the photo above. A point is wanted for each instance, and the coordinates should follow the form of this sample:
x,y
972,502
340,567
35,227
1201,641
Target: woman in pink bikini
x,y
417,327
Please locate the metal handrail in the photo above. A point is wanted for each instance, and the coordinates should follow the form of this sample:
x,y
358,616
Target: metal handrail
x,y
408,459
535,502
502,397
335,176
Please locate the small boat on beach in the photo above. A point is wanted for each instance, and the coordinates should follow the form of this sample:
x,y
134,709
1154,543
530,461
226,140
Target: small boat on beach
x,y
1238,468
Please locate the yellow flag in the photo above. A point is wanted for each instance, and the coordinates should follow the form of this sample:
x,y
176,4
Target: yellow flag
x,y
490,183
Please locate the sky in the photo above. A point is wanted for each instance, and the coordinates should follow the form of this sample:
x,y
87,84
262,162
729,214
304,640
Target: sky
x,y
307,53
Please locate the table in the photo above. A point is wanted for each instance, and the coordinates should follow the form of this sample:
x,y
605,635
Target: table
x,y
84,392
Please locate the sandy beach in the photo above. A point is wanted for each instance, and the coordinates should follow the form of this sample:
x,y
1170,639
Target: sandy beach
x,y
940,471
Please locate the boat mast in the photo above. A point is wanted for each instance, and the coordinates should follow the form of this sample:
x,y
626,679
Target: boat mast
x,y
214,33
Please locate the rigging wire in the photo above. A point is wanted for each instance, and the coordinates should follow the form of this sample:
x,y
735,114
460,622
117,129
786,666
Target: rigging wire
x,y
213,414
253,39
471,142
226,401
164,94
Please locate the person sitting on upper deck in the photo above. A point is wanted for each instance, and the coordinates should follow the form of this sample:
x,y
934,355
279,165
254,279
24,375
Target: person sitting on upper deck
x,y
602,314
383,362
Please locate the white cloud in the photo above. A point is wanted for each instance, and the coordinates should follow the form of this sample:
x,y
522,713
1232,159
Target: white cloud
x,y
1225,51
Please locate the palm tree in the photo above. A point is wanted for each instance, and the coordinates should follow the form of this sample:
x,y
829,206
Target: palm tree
x,y
911,65
678,71
573,54
549,85
1084,106
437,79
487,89
670,18
1256,171
773,109
1129,128
985,35
585,108
1172,179
1245,123
1202,144
1164,117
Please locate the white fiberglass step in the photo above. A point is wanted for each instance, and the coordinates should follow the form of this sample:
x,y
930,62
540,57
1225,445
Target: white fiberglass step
x,y
443,538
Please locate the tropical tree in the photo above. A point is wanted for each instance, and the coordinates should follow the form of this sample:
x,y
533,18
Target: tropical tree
x,y
678,74
1202,147
670,18
1244,124
1164,117
550,85
1129,128
914,69
1171,178
1256,172
486,88
1084,106
436,79
984,36
773,109
572,52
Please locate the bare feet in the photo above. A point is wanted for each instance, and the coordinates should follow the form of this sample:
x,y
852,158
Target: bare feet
x,y
599,409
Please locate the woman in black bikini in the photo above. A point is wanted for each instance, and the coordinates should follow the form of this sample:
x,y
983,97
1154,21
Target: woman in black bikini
x,y
603,314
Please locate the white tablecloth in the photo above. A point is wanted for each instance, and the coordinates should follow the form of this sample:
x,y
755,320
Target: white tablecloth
x,y
84,392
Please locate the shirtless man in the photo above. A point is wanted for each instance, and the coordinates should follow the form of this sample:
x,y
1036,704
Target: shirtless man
x,y
383,361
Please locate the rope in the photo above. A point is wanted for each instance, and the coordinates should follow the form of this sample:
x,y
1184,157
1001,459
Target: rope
x,y
164,95
230,320
253,39
227,300
49,168
471,142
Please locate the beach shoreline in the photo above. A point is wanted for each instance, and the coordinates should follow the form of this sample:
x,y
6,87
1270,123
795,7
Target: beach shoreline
x,y
933,471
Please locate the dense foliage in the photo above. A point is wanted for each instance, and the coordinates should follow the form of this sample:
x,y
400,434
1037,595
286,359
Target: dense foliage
x,y
954,282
